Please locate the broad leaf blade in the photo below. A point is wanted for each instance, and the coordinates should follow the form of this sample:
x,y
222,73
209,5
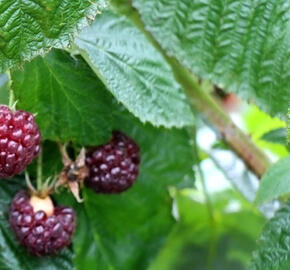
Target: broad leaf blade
x,y
131,227
30,28
242,46
274,244
134,71
12,255
191,241
70,102
276,181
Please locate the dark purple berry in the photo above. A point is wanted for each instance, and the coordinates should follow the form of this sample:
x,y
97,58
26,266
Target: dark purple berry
x,y
113,167
19,141
42,232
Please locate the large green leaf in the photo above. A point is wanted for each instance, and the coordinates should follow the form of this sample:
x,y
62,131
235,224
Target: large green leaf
x,y
12,255
276,181
131,227
32,27
70,102
195,242
134,71
274,244
241,45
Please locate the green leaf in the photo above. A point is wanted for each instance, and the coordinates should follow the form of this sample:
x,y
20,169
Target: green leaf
x,y
30,28
12,255
274,244
276,181
70,102
131,227
240,45
134,71
86,254
278,136
194,241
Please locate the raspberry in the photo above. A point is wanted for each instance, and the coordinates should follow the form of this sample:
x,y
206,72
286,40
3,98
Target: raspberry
x,y
19,141
113,167
42,232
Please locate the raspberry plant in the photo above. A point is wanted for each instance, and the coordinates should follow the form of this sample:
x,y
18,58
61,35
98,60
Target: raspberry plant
x,y
131,99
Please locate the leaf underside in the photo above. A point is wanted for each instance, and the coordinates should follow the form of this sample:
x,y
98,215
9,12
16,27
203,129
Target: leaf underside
x,y
134,71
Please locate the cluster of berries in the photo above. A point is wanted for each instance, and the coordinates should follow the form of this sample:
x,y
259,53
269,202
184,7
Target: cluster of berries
x,y
40,226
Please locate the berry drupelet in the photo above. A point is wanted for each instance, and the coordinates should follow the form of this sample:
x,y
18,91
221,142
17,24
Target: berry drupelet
x,y
19,141
113,167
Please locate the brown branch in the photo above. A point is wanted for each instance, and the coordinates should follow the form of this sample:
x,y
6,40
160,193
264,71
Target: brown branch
x,y
209,108
205,104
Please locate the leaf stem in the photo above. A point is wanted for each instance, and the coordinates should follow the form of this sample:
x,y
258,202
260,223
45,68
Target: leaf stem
x,y
209,205
11,93
207,106
39,172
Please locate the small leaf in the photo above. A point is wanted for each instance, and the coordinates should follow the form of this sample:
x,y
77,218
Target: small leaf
x,y
276,181
30,28
278,136
274,244
70,102
134,71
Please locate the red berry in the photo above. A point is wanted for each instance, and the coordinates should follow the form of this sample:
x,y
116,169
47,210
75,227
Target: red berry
x,y
113,167
19,141
42,232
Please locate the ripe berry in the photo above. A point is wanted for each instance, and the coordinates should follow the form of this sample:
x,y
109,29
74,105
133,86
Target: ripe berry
x,y
113,167
19,141
42,228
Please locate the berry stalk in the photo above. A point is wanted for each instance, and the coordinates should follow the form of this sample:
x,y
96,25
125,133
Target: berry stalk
x,y
11,93
39,172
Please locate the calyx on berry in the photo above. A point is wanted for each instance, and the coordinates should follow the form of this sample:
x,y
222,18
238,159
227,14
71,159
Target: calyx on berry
x,y
74,172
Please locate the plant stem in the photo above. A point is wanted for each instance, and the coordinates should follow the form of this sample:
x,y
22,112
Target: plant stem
x,y
207,106
11,93
39,172
209,205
